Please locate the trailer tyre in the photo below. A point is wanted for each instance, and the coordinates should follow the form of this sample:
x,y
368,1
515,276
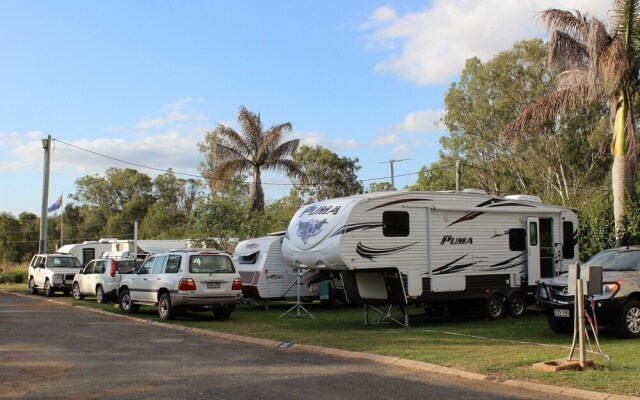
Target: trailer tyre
x,y
517,305
494,307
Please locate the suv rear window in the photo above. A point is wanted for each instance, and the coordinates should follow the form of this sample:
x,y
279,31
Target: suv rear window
x,y
125,266
210,263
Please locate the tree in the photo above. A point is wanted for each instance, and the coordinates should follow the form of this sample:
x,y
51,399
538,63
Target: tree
x,y
114,190
9,238
252,152
379,187
328,176
597,66
435,178
555,163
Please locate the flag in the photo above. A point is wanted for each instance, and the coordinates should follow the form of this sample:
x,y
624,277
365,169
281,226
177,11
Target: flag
x,y
55,206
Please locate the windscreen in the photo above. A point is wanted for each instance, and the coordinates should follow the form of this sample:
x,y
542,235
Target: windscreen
x,y
625,260
63,262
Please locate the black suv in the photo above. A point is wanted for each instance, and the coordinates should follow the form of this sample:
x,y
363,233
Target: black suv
x,y
617,306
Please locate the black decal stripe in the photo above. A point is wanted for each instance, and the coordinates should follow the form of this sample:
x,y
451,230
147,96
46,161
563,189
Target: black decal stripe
x,y
511,205
397,202
452,269
355,227
467,217
370,252
507,261
490,201
449,264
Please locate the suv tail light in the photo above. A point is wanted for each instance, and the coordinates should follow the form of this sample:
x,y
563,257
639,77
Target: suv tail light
x,y
237,284
187,284
113,268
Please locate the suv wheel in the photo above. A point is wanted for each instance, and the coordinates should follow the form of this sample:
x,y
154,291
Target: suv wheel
x,y
517,305
222,314
165,309
494,307
126,305
32,287
100,296
48,290
76,292
628,321
560,326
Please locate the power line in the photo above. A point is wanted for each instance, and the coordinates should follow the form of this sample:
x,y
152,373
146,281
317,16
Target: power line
x,y
201,177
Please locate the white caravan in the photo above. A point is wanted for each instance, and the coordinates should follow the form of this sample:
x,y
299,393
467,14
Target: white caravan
x,y
442,250
88,250
265,273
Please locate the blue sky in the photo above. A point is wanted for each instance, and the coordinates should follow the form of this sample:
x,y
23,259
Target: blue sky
x,y
143,81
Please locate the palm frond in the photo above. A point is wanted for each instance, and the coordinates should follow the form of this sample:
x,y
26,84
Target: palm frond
x,y
284,150
289,167
566,52
251,128
574,23
598,42
571,78
615,68
226,170
544,110
233,139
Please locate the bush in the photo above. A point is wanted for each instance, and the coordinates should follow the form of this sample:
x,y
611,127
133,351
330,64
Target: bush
x,y
19,276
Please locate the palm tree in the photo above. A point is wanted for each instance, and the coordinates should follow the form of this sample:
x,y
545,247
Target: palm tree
x,y
254,151
597,65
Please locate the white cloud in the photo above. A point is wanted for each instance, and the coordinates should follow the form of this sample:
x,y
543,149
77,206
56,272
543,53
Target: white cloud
x,y
318,139
386,140
430,46
421,121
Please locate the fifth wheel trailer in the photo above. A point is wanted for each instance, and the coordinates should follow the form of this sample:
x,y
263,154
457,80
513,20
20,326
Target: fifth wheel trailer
x,y
440,250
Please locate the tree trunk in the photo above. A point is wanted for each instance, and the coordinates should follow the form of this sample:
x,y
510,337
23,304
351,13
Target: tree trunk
x,y
622,186
257,203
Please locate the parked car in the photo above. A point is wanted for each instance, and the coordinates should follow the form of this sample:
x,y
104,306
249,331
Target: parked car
x,y
100,278
195,280
52,272
618,305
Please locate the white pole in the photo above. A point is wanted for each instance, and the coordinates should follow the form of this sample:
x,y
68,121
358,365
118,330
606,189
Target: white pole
x,y
61,212
581,332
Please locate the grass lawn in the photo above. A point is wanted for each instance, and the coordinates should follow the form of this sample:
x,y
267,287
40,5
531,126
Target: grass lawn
x,y
503,349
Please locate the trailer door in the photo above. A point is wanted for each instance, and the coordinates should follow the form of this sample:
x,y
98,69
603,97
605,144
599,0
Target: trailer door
x,y
533,250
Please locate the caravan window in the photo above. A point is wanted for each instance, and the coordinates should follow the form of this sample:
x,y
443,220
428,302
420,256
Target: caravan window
x,y
517,239
249,259
395,223
567,240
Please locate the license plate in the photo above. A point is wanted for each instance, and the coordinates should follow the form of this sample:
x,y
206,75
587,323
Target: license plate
x,y
560,312
213,285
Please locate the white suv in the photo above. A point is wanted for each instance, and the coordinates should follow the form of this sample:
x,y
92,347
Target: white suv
x,y
52,272
195,280
100,278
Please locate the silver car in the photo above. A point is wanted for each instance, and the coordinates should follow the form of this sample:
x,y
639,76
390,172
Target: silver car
x,y
618,305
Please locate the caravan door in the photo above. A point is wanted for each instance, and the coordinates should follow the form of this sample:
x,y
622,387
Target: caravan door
x,y
533,250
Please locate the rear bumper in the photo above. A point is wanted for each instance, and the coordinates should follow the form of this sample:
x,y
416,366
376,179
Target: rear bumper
x,y
187,300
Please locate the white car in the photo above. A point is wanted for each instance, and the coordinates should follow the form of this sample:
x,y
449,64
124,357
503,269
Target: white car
x,y
52,272
100,278
195,280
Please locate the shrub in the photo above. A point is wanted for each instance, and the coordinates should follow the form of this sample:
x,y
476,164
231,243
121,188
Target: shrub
x,y
19,276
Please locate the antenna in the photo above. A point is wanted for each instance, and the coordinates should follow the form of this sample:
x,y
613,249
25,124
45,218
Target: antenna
x,y
393,184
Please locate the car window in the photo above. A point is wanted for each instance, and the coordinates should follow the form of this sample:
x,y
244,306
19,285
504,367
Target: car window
x,y
145,268
89,268
210,263
617,260
173,264
159,265
101,266
124,266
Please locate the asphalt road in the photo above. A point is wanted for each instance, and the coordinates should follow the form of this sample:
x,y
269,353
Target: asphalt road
x,y
54,351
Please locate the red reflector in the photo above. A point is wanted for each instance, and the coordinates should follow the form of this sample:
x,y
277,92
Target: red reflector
x,y
186,284
113,268
237,284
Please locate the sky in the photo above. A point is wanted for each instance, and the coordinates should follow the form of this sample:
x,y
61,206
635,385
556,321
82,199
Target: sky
x,y
144,81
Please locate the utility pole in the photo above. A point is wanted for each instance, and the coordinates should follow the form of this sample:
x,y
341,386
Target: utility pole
x,y
393,184
457,176
46,145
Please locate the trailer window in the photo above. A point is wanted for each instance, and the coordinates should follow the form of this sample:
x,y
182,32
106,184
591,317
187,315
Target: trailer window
x,y
567,240
249,259
395,223
533,234
517,239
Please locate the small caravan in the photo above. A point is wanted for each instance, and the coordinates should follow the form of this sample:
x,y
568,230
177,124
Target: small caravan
x,y
441,250
266,274
88,250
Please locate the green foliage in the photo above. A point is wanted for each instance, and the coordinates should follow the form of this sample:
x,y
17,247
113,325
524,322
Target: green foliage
x,y
439,176
596,226
328,176
19,276
378,187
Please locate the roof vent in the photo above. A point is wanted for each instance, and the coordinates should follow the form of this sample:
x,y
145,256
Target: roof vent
x,y
474,191
524,197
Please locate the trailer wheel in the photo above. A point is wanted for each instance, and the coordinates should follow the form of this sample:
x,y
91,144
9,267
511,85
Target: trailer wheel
x,y
517,305
494,307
